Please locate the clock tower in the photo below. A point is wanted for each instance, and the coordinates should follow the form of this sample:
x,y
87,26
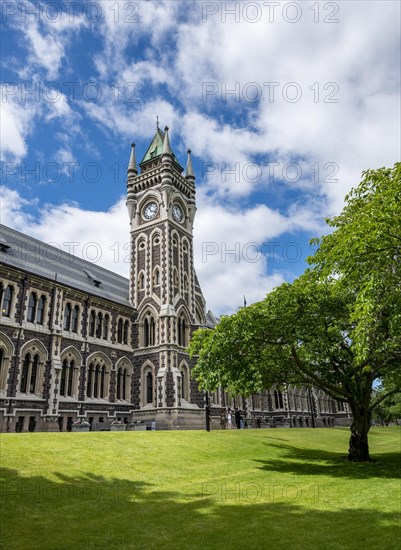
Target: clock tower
x,y
163,285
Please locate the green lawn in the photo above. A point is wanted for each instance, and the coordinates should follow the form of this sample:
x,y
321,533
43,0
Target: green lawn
x,y
281,489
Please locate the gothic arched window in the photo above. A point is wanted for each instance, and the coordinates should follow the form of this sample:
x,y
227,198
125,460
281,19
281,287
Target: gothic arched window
x,y
67,381
182,331
106,327
89,381
41,310
125,332
32,304
156,277
99,322
92,322
120,331
278,400
119,374
25,372
67,317
7,301
29,374
149,327
149,387
141,281
74,319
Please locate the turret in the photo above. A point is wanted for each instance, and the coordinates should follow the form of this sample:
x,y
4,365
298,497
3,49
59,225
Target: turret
x,y
189,174
132,167
167,154
132,172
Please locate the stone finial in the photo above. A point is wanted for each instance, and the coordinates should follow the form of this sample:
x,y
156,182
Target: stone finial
x,y
132,167
166,144
189,171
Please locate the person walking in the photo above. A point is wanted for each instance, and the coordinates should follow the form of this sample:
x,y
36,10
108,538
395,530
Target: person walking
x,y
229,419
223,419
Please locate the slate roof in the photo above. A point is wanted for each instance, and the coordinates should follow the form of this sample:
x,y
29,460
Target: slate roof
x,y
211,320
23,252
155,150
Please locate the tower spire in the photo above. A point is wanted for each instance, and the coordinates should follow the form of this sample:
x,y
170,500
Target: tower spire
x,y
132,167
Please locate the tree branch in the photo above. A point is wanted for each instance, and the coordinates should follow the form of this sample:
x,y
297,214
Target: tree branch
x,y
323,385
382,398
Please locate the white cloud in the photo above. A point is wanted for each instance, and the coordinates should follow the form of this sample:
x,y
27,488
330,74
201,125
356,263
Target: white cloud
x,y
16,124
47,35
102,237
359,54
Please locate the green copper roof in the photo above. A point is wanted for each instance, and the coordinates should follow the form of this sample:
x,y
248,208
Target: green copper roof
x,y
155,148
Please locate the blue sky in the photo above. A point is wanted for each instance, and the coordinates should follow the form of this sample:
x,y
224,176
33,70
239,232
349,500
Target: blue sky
x,y
283,107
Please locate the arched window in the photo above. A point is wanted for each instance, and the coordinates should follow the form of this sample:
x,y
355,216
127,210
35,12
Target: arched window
x,y
92,321
119,374
122,384
5,355
67,378
98,379
96,383
156,277
7,301
124,392
102,381
34,374
182,331
125,335
183,382
41,310
64,375
89,381
25,372
67,316
149,328
141,281
32,304
70,378
74,320
120,331
149,387
99,322
185,387
278,400
29,374
106,327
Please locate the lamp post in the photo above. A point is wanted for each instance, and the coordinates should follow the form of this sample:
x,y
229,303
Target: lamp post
x,y
207,411
312,416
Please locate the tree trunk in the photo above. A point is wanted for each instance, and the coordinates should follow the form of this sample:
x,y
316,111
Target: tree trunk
x,y
358,443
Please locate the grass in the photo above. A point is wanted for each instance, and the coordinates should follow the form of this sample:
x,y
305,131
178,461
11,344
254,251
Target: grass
x,y
256,489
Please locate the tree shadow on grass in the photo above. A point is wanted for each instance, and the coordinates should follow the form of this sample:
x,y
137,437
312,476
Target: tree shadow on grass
x,y
321,462
94,512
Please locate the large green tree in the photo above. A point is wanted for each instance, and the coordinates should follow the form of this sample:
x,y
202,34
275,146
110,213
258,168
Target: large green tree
x,y
364,251
337,327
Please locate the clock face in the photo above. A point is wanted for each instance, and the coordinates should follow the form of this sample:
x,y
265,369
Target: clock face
x,y
177,213
150,210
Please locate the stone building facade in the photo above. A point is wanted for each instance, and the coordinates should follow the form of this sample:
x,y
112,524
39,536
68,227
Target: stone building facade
x,y
78,342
